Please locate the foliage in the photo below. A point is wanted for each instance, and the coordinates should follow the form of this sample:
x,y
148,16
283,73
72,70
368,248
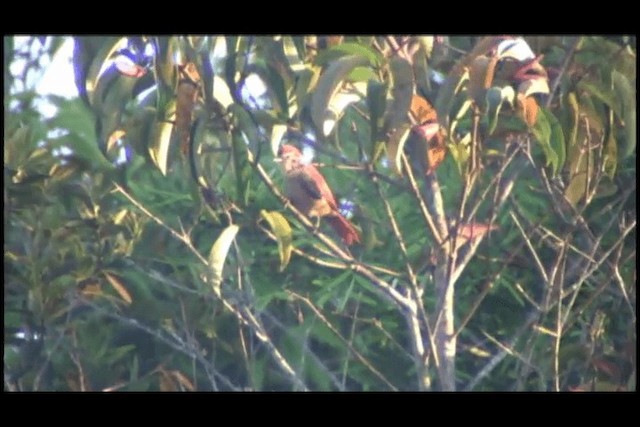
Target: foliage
x,y
148,246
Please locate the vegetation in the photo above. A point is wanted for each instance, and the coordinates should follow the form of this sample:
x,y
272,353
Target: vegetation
x,y
148,245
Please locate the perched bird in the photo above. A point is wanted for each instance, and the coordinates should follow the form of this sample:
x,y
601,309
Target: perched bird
x,y
469,231
309,193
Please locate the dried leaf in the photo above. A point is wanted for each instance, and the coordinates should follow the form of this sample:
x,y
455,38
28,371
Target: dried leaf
x,y
527,109
116,283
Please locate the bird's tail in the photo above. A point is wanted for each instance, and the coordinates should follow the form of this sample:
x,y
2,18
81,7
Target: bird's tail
x,y
344,228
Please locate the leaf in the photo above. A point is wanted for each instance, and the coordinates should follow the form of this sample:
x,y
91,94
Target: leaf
x,y
362,74
495,97
221,92
280,227
395,146
329,85
376,102
527,109
371,56
218,255
627,94
517,49
446,96
610,154
608,96
402,90
542,132
109,47
531,86
241,166
557,140
481,75
336,107
277,132
116,283
159,145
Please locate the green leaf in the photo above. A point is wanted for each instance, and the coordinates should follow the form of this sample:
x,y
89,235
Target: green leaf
x,y
446,95
218,255
542,132
274,83
159,144
627,94
241,167
109,46
221,92
610,154
277,132
362,74
370,55
395,146
608,96
280,227
556,139
328,86
402,91
495,97
376,101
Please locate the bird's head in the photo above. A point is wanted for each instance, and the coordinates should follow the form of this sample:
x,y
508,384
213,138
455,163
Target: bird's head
x,y
290,157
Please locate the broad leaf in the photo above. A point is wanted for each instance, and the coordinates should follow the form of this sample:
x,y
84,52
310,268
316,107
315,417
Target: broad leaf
x,y
280,227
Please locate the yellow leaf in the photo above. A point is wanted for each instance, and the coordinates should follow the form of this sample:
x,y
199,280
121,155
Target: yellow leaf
x,y
218,254
119,287
280,227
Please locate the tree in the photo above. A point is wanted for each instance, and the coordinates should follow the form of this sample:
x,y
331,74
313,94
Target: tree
x,y
148,244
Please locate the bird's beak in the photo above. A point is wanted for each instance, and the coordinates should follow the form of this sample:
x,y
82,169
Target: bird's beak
x,y
277,160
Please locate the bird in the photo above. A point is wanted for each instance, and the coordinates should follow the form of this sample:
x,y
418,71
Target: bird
x,y
308,191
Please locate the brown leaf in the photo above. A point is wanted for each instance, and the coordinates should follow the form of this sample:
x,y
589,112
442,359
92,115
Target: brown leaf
x,y
527,109
422,110
116,283
423,113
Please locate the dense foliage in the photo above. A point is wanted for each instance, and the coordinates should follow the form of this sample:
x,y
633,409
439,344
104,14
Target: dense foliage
x,y
148,245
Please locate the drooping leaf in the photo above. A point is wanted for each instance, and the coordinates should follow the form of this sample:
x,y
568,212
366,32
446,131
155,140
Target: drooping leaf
x,y
242,167
159,144
370,55
395,146
277,132
120,288
542,132
329,85
281,228
495,97
98,64
218,255
557,140
606,95
627,94
402,91
376,101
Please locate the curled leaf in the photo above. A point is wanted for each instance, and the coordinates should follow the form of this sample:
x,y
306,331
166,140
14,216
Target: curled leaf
x,y
329,85
531,86
119,287
218,255
627,94
395,146
277,132
159,146
280,227
495,97
517,49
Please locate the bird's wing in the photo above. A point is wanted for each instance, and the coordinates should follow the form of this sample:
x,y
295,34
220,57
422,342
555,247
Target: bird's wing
x,y
315,185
